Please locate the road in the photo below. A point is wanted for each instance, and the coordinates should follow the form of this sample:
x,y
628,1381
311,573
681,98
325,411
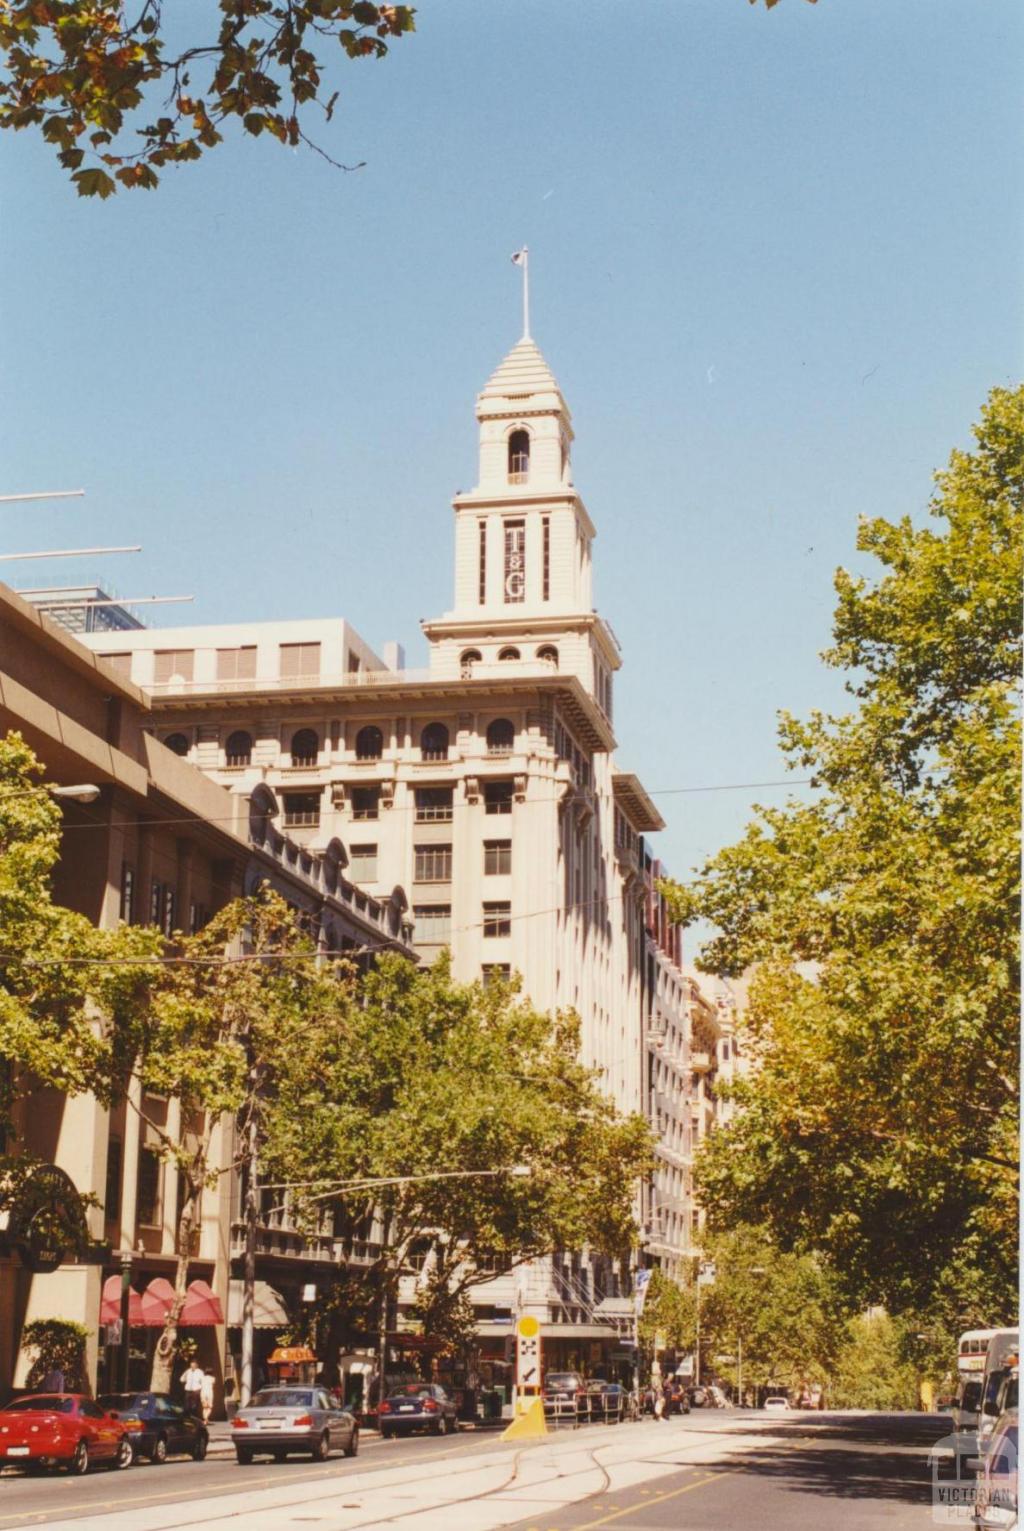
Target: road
x,y
718,1470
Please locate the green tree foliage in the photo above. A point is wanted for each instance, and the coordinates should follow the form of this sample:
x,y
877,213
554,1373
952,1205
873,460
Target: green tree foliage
x,y
871,1370
59,1014
426,1077
669,1315
121,91
881,922
784,1310
58,1343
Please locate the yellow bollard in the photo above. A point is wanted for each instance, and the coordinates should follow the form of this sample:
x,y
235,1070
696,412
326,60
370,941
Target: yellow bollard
x,y
529,1425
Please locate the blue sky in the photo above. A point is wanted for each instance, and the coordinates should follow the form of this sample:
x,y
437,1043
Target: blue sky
x,y
776,265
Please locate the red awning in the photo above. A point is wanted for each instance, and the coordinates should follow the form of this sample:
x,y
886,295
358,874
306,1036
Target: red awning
x,y
110,1304
156,1302
202,1306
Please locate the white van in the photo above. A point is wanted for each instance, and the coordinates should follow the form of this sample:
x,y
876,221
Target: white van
x,y
1001,1353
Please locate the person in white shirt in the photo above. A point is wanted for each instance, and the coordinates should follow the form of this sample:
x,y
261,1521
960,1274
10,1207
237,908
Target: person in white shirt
x,y
206,1396
192,1382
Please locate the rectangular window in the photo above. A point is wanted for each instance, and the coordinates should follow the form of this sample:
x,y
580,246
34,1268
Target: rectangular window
x,y
433,863
169,911
301,809
127,892
173,664
497,919
237,664
148,1192
497,797
353,663
366,802
122,663
495,972
515,562
546,558
156,903
483,562
434,805
497,857
300,661
433,924
112,1198
363,863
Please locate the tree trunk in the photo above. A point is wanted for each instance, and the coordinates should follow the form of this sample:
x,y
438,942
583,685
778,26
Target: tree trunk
x,y
163,1359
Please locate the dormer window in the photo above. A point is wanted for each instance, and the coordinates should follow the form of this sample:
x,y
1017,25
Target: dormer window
x,y
519,457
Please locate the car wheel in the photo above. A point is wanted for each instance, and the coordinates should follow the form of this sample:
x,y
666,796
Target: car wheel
x,y
159,1452
279,1455
322,1450
437,1427
244,1455
80,1461
352,1449
387,1435
125,1454
200,1446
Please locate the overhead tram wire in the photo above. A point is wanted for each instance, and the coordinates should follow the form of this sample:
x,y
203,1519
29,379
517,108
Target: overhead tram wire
x,y
738,786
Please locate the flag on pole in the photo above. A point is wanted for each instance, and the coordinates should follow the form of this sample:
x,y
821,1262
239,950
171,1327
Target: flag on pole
x,y
519,258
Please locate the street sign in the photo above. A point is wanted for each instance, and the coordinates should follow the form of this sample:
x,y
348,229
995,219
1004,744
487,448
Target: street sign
x,y
707,1273
685,1367
726,1360
641,1281
528,1354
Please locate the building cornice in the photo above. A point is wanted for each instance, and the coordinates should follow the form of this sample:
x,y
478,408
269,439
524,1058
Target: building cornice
x,y
527,498
631,797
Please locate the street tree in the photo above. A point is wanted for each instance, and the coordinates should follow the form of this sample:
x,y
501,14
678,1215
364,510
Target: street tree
x,y
669,1316
440,1089
227,1017
66,989
879,921
121,91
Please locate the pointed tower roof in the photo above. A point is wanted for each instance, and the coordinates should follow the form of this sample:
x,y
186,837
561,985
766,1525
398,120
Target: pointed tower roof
x,y
524,370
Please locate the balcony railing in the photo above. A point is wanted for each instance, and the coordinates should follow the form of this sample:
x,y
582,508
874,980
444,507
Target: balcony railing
x,y
534,668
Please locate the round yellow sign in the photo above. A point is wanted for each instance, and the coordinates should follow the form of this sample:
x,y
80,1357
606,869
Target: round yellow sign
x,y
528,1326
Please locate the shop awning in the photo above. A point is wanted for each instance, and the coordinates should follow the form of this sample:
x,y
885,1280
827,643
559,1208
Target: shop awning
x,y
269,1310
156,1302
202,1307
110,1304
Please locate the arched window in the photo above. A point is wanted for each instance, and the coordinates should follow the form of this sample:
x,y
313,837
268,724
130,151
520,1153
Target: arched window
x,y
509,653
238,750
178,743
467,661
550,653
369,743
519,457
434,742
501,736
305,747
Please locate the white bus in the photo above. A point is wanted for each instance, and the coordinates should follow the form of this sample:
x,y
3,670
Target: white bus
x,y
971,1352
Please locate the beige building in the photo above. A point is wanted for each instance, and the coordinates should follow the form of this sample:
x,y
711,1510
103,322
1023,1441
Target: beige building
x,y
484,789
161,844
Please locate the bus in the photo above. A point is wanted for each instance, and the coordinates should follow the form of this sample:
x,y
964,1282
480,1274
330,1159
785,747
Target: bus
x,y
971,1352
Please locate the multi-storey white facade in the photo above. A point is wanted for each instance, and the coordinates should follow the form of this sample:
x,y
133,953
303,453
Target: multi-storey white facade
x,y
483,792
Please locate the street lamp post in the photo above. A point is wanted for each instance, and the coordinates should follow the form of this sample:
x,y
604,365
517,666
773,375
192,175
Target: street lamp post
x,y
82,792
125,1349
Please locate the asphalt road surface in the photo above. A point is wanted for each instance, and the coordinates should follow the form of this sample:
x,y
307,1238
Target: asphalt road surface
x,y
844,1473
803,1473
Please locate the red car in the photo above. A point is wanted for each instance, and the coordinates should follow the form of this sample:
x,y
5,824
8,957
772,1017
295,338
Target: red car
x,y
46,1429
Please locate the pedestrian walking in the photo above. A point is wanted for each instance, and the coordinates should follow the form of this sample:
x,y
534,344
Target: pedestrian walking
x,y
206,1395
192,1382
659,1401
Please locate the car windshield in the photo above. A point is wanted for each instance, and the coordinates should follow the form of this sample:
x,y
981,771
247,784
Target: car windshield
x,y
972,1395
992,1387
117,1400
42,1404
415,1390
562,1379
282,1398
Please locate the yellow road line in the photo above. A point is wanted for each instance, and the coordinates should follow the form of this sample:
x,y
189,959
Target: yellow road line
x,y
654,1499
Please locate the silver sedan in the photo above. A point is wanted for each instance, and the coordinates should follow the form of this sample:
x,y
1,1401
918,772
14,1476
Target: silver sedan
x,y
287,1418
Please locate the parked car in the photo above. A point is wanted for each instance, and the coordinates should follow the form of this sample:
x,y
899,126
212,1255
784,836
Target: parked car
x,y
418,1406
49,1429
777,1402
995,1504
157,1426
287,1418
1001,1354
964,1417
561,1394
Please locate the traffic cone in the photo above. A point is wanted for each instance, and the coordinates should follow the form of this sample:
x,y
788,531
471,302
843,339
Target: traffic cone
x,y
529,1425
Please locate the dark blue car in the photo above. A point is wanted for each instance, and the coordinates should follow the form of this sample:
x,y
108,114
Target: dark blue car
x,y
158,1426
417,1406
